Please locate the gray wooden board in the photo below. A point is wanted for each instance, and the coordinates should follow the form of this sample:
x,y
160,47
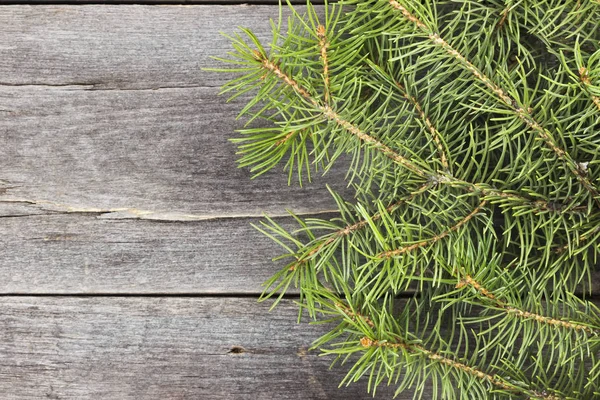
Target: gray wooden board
x,y
122,47
156,2
84,253
142,153
81,253
162,348
78,155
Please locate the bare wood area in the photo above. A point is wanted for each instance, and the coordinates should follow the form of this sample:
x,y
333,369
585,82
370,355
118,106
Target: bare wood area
x,y
162,348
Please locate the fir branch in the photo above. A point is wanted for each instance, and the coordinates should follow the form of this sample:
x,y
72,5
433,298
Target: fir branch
x,y
331,115
428,242
435,135
367,342
511,103
396,99
353,315
349,229
323,46
287,137
469,281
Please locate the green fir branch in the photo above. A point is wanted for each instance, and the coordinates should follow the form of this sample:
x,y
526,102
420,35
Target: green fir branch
x,y
472,134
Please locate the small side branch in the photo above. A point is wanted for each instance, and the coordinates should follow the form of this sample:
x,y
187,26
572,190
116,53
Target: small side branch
x,y
354,315
584,75
417,349
582,238
346,231
331,115
323,46
469,281
503,18
435,134
414,348
428,242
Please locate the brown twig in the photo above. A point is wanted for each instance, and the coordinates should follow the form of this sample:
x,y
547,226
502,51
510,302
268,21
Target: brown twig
x,y
435,135
415,348
469,281
584,75
323,46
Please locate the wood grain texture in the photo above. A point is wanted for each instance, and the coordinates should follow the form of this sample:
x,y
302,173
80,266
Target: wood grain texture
x,y
161,154
115,47
156,2
83,253
116,177
162,348
106,115
105,108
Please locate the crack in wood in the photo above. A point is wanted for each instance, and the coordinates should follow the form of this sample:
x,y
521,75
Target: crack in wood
x,y
135,213
100,86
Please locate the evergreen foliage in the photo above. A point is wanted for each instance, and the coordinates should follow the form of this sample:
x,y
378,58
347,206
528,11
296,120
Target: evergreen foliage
x,y
473,134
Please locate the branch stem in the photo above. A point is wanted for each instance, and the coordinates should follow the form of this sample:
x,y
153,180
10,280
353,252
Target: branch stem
x,y
323,46
435,134
440,178
585,79
354,227
428,242
469,281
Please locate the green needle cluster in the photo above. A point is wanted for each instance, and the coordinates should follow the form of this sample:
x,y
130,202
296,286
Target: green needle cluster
x,y
471,132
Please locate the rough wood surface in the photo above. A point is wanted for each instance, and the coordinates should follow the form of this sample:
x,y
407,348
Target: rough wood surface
x,y
107,115
105,108
122,47
162,348
81,253
159,154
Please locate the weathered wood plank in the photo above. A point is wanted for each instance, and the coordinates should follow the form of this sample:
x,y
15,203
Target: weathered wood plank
x,y
161,154
82,253
162,348
85,253
158,2
125,47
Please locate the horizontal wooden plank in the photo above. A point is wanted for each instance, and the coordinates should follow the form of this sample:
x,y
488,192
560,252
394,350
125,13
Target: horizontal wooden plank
x,y
68,253
142,154
162,348
85,253
155,2
124,47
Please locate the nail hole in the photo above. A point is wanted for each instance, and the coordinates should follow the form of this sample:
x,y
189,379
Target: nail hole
x,y
237,350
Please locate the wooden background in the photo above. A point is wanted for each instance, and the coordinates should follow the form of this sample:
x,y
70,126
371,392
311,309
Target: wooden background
x,y
128,266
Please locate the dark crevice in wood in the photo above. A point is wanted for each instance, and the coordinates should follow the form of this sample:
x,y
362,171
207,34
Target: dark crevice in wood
x,y
157,294
94,86
250,295
256,295
237,350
